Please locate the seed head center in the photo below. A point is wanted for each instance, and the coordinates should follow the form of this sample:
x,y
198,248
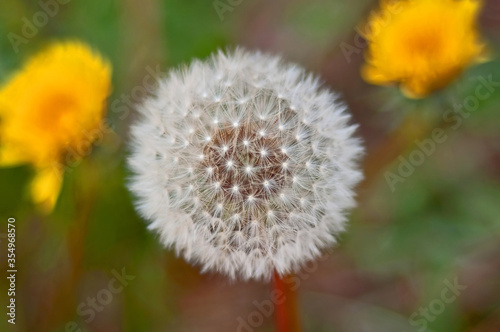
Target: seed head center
x,y
247,165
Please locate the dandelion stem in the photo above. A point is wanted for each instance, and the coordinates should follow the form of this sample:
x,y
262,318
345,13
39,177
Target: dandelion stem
x,y
396,144
63,296
286,313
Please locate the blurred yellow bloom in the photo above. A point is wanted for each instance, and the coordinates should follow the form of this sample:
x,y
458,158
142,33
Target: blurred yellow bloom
x,y
421,44
48,108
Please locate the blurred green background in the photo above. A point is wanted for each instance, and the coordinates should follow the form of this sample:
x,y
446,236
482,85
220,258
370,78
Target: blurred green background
x,y
403,247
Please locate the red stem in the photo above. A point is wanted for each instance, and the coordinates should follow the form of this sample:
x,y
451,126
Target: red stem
x,y
286,313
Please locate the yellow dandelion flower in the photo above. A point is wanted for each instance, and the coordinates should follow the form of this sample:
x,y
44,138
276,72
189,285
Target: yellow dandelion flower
x,y
48,108
421,44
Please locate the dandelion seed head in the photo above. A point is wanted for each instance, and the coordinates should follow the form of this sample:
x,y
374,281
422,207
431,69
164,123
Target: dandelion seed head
x,y
258,177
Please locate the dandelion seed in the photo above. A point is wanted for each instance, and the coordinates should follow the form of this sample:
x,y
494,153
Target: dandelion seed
x,y
248,197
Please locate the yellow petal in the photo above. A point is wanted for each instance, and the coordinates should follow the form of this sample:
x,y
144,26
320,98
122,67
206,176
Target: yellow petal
x,y
11,157
422,45
372,75
45,187
54,103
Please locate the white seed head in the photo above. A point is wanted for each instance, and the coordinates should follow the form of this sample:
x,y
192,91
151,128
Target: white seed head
x,y
268,184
